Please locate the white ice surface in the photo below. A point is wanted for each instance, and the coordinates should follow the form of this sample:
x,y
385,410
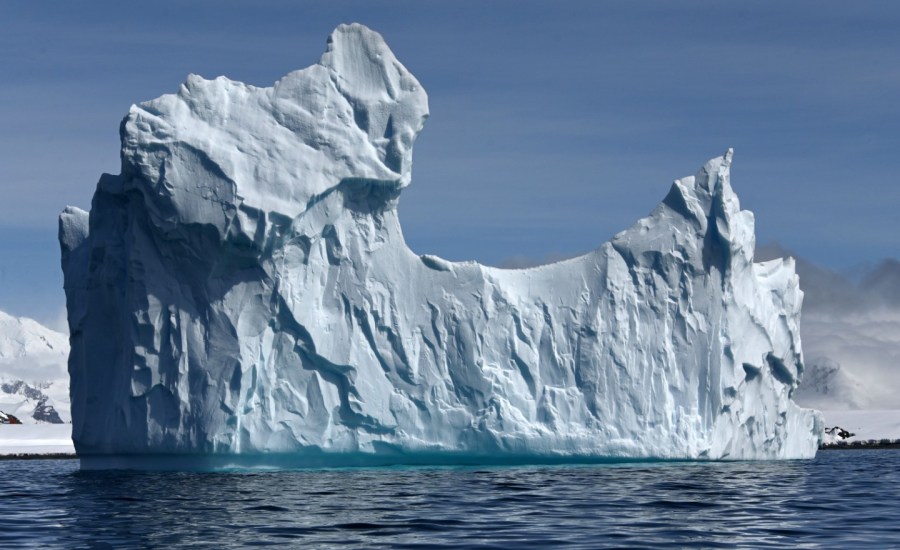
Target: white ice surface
x,y
36,439
243,287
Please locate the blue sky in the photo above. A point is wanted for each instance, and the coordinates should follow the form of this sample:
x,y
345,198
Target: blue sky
x,y
553,124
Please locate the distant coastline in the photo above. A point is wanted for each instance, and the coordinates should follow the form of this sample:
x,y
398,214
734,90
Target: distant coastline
x,y
854,445
38,456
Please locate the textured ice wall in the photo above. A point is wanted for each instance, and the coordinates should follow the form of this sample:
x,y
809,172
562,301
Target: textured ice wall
x,y
243,286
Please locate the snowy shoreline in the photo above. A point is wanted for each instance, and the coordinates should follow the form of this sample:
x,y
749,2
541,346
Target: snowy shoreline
x,y
39,456
859,446
35,439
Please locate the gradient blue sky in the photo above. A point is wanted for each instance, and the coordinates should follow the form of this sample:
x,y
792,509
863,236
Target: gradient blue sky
x,y
554,124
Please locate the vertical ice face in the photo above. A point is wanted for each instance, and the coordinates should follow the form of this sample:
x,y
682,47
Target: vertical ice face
x,y
243,287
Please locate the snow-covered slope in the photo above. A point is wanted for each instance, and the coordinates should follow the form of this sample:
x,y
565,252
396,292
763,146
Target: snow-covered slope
x,y
827,386
34,384
243,286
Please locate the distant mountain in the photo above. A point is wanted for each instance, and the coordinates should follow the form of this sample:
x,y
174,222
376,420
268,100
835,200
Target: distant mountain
x,y
823,290
34,381
851,334
829,291
884,282
827,386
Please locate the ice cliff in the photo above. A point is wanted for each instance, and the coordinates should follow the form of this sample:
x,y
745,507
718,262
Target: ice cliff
x,y
243,287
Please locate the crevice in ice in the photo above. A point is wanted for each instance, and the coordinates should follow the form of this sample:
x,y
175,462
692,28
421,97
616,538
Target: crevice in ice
x,y
751,372
780,370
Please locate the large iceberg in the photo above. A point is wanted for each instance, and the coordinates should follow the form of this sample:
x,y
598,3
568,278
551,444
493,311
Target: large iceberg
x,y
243,288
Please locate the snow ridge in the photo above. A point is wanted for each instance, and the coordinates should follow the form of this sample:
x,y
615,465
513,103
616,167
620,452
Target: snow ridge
x,y
243,287
34,385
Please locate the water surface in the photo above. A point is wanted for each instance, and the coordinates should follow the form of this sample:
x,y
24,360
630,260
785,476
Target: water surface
x,y
842,499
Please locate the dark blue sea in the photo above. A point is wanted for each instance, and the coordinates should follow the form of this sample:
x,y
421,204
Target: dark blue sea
x,y
842,499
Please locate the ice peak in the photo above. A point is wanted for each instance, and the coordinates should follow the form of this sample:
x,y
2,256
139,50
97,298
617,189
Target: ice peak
x,y
388,103
351,118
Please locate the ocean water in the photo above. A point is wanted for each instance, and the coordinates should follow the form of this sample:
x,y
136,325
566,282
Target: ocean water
x,y
842,499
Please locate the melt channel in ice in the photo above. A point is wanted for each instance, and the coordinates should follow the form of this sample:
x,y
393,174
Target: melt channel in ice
x,y
243,288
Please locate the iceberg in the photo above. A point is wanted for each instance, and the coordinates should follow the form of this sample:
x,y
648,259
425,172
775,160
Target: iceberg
x,y
243,288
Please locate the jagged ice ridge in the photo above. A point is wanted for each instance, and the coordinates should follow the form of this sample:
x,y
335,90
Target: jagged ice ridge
x,y
243,287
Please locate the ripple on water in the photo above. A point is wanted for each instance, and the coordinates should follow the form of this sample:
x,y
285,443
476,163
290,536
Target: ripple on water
x,y
839,500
